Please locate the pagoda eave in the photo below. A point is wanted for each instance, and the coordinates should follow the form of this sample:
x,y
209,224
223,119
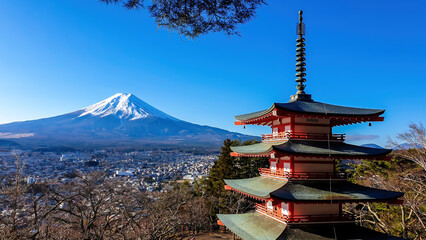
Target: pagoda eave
x,y
337,114
264,120
391,201
249,226
263,149
264,199
331,191
354,120
267,120
258,187
333,157
325,156
309,191
311,149
326,231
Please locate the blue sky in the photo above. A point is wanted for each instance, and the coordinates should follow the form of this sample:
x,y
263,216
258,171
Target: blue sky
x,y
60,56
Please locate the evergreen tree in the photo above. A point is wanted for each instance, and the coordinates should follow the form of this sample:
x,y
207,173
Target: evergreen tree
x,y
228,167
223,168
249,167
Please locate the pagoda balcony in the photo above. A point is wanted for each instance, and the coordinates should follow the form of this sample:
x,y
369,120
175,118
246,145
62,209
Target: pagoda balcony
x,y
305,136
279,173
318,218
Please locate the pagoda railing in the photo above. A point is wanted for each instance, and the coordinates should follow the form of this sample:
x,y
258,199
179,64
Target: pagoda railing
x,y
318,175
271,213
300,135
321,218
280,173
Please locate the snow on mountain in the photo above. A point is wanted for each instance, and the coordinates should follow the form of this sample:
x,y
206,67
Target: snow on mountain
x,y
124,106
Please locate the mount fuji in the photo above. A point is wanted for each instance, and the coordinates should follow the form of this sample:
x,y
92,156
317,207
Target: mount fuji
x,y
122,120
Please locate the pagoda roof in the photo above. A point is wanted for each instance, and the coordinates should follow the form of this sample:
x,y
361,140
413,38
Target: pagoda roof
x,y
331,190
344,231
259,187
311,148
253,226
314,108
261,148
309,190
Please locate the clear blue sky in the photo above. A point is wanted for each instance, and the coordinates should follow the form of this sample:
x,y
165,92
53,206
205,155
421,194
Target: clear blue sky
x,y
60,56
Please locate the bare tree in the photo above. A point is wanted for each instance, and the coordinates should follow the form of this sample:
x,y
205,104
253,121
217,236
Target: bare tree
x,y
92,206
12,203
26,206
406,219
95,206
415,137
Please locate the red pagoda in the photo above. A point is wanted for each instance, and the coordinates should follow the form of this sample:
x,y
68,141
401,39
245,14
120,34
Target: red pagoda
x,y
300,195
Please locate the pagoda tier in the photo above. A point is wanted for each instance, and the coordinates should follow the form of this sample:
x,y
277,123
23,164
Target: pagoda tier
x,y
254,226
307,159
296,201
312,191
282,113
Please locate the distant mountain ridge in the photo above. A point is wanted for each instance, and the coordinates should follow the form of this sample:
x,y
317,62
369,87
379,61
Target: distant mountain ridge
x,y
7,144
120,120
372,145
405,146
402,146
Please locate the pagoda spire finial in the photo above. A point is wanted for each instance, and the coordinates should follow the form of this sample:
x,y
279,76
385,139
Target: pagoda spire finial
x,y
300,63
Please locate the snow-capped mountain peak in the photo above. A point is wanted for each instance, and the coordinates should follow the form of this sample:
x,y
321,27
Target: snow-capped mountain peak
x,y
124,106
121,121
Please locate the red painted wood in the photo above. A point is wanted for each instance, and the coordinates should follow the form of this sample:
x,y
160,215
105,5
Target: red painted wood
x,y
312,124
313,162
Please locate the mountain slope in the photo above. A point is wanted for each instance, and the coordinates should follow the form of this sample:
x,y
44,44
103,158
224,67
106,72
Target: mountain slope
x,y
121,119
